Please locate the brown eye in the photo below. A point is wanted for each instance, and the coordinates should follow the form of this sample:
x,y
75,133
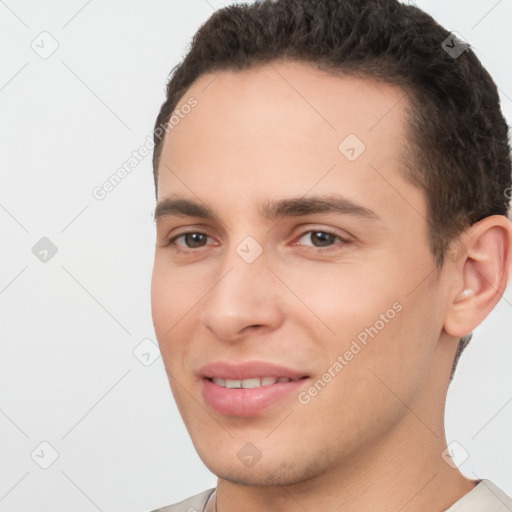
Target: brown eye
x,y
320,238
192,240
195,239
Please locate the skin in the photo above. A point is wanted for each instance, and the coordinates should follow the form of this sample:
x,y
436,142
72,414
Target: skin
x,y
373,437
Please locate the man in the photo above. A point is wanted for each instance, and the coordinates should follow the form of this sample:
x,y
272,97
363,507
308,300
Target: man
x,y
332,182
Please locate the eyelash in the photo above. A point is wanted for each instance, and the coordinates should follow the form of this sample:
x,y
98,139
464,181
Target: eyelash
x,y
172,242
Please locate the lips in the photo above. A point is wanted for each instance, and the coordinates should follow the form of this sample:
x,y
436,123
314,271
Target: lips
x,y
247,389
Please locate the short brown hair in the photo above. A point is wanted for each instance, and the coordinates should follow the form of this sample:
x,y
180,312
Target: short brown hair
x,y
458,152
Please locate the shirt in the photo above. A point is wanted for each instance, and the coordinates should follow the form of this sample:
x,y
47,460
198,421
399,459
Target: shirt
x,y
484,497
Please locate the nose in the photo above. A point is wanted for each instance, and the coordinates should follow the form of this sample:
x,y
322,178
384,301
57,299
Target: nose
x,y
244,298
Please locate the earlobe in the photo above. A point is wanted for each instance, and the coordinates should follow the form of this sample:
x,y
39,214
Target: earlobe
x,y
480,276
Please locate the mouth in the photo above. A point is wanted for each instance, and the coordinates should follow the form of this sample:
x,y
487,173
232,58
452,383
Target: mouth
x,y
247,389
251,382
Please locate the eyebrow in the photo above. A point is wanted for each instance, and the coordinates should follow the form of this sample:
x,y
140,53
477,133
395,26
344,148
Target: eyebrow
x,y
177,206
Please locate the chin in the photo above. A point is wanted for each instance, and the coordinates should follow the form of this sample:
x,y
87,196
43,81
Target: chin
x,y
267,472
263,477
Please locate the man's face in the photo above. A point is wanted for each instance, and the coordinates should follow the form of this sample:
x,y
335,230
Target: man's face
x,y
346,303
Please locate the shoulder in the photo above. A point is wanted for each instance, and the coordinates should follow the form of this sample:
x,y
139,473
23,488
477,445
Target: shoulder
x,y
484,497
193,504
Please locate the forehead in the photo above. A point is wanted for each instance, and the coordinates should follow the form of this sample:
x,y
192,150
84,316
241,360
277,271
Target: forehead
x,y
283,126
294,93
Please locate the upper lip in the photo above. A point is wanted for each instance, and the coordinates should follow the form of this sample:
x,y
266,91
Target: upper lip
x,y
247,370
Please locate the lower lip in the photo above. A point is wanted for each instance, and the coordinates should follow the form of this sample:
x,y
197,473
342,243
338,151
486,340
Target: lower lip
x,y
247,402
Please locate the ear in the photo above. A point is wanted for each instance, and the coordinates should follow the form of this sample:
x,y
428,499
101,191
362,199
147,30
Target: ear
x,y
480,264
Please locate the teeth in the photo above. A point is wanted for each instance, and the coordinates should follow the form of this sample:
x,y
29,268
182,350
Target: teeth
x,y
251,383
254,382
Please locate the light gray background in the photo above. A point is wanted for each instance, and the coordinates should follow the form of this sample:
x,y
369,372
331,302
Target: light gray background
x,y
68,374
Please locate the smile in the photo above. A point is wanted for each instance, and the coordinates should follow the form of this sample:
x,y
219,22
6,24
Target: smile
x,y
248,388
254,382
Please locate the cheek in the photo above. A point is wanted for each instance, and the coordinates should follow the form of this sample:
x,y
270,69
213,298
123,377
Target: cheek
x,y
346,297
173,298
161,302
169,306
397,348
172,306
372,313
